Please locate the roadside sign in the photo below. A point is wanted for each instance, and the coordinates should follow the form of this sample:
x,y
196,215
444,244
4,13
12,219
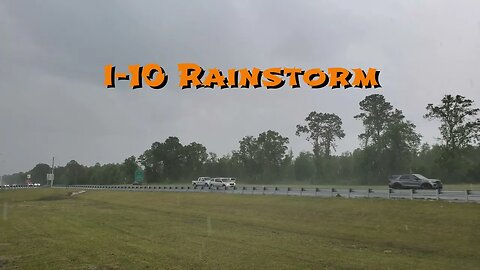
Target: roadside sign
x,y
139,176
50,177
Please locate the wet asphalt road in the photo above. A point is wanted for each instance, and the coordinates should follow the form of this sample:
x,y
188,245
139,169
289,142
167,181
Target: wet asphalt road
x,y
455,196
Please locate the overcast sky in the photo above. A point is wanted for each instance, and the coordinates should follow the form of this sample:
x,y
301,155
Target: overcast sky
x,y
52,53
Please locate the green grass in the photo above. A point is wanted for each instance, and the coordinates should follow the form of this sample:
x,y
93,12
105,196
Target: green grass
x,y
47,229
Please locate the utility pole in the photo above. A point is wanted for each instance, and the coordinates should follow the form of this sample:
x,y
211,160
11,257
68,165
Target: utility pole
x,y
50,176
53,177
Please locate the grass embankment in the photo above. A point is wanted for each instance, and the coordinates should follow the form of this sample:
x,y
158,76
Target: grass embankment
x,y
46,229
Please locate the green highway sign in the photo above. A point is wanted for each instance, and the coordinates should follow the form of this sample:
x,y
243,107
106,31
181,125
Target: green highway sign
x,y
139,175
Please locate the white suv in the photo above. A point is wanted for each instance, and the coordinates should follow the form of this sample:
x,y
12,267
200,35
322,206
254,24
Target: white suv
x,y
222,182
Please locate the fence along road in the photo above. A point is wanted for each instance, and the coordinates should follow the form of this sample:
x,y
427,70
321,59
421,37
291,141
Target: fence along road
x,y
455,196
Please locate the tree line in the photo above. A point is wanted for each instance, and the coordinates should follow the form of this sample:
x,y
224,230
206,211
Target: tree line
x,y
389,145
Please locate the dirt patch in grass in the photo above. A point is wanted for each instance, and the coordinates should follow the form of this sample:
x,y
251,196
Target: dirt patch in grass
x,y
4,263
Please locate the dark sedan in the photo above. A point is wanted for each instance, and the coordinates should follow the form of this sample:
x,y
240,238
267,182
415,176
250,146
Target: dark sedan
x,y
416,181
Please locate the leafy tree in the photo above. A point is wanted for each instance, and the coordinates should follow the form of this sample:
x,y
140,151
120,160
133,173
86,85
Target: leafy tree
x,y
16,178
211,163
75,173
272,149
389,141
94,174
224,166
376,115
171,157
173,161
248,155
460,128
163,160
195,156
401,143
39,173
112,174
322,129
305,167
459,125
153,166
263,156
128,169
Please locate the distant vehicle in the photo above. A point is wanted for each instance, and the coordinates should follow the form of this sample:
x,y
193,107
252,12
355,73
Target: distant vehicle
x,y
36,184
413,181
202,181
223,182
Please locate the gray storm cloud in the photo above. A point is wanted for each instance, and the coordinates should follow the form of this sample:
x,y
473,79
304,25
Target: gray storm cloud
x,y
52,53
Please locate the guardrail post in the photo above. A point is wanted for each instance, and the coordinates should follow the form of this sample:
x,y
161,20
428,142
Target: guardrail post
x,y
389,192
243,189
331,192
368,192
288,189
412,191
263,191
349,192
253,189
437,193
467,192
301,191
316,191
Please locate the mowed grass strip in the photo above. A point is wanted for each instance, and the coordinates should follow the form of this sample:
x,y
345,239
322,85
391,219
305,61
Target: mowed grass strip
x,y
48,229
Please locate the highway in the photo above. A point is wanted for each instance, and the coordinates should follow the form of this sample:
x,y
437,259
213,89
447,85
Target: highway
x,y
408,194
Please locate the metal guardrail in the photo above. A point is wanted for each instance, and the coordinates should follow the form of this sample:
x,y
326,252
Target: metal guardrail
x,y
18,187
411,194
